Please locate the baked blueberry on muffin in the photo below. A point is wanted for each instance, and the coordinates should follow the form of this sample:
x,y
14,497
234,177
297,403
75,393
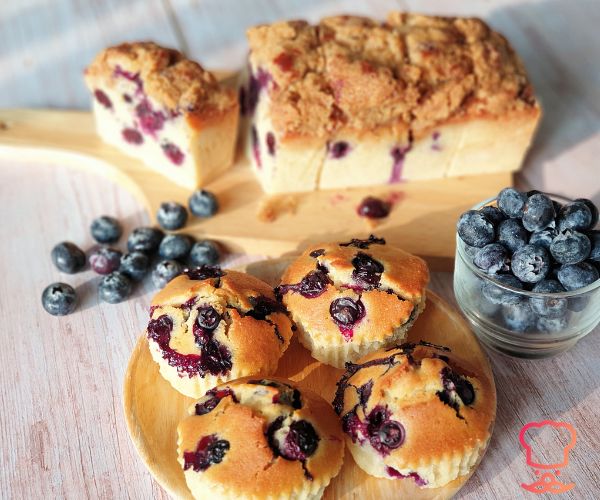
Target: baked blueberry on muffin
x,y
260,438
412,412
353,101
156,105
352,298
211,325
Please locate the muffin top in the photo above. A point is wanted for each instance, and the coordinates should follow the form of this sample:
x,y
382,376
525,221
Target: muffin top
x,y
166,75
261,437
355,72
353,291
414,405
208,320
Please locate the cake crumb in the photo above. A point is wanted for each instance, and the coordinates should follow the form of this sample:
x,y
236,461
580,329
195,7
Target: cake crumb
x,y
272,207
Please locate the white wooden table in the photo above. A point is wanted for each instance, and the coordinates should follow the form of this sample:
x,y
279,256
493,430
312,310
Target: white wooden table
x,y
61,422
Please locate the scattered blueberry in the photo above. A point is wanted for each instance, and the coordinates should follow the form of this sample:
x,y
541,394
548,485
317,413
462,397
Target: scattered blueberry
x,y
518,317
68,257
171,215
575,276
165,271
543,238
530,263
497,295
570,247
512,202
175,246
550,307
593,210
204,252
105,260
144,239
575,215
114,287
493,214
203,203
492,258
59,299
512,234
106,229
135,265
475,229
552,325
538,213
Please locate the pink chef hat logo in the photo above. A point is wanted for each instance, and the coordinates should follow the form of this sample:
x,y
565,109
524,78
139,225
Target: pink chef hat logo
x,y
548,482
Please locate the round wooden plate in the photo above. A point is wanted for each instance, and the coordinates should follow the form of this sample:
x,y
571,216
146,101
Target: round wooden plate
x,y
153,408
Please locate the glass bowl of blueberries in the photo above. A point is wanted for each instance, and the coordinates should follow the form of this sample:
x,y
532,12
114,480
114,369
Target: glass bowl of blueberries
x,y
526,272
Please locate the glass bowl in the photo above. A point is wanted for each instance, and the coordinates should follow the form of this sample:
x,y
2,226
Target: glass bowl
x,y
500,316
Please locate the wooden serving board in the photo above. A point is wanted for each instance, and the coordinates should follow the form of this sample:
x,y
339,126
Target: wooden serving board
x,y
422,220
153,408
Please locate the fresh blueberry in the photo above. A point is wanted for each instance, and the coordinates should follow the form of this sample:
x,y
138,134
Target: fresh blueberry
x,y
492,258
578,304
68,257
204,252
498,295
203,203
570,247
512,234
593,210
144,239
105,260
106,229
114,288
575,215
59,299
552,325
475,229
471,251
175,246
171,215
493,214
512,202
594,237
538,212
530,263
576,276
550,307
165,271
518,317
543,238
135,265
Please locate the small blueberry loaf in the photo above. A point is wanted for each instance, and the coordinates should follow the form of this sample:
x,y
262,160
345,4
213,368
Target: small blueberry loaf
x,y
154,104
411,412
256,438
352,298
211,325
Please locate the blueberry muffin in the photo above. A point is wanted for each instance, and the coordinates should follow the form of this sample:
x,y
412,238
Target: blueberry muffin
x,y
260,438
211,325
412,412
352,298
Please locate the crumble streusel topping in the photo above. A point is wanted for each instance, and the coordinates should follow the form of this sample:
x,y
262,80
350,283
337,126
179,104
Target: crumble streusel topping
x,y
166,75
415,70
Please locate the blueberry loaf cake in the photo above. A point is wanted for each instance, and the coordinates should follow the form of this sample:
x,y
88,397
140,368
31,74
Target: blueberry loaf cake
x,y
352,298
260,438
412,413
353,102
211,325
156,105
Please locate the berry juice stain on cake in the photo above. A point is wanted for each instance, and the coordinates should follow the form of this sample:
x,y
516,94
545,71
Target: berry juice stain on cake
x,y
398,154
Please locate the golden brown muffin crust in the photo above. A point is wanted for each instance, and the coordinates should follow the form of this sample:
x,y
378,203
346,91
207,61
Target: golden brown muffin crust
x,y
354,72
167,76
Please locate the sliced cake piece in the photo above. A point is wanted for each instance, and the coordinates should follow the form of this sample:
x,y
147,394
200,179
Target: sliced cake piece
x,y
154,104
356,102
